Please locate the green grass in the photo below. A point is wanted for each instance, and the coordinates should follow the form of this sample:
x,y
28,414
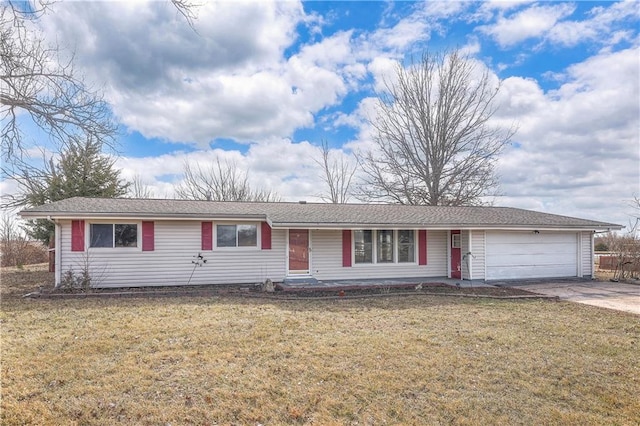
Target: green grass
x,y
409,360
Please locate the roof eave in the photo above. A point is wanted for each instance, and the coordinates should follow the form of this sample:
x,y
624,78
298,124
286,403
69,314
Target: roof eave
x,y
25,214
138,216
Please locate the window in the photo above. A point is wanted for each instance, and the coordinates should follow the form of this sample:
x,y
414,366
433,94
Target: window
x,y
236,235
406,246
363,246
385,246
390,246
113,235
455,240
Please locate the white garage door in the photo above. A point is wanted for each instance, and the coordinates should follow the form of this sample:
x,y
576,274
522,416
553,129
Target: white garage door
x,y
513,255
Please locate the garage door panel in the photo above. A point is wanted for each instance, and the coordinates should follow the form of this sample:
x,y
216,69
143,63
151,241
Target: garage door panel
x,y
526,259
524,272
530,249
528,237
512,255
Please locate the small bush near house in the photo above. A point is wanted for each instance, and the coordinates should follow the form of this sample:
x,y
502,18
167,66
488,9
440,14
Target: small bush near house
x,y
73,281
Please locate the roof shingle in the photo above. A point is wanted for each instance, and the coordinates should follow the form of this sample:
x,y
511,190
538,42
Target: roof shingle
x,y
314,214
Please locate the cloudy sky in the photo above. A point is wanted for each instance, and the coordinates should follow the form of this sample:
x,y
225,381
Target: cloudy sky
x,y
262,83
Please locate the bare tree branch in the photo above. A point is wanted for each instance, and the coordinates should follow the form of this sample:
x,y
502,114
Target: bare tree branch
x,y
36,81
38,84
186,9
139,189
337,174
220,182
433,142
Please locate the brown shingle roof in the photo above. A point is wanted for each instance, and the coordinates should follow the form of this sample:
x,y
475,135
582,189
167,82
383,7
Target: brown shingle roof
x,y
314,214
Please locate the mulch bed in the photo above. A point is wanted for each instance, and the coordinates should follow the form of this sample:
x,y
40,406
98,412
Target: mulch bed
x,y
254,291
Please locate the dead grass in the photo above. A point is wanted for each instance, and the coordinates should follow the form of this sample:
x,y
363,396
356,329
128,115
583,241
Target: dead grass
x,y
421,360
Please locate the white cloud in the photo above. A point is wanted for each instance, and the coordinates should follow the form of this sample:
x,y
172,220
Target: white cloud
x,y
227,80
279,165
578,146
383,71
402,35
598,28
531,22
503,5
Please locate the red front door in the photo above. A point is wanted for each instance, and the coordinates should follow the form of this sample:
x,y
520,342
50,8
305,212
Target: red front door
x,y
299,251
456,270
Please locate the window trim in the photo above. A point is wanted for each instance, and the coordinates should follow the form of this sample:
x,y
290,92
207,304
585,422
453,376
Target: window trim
x,y
137,223
257,247
374,248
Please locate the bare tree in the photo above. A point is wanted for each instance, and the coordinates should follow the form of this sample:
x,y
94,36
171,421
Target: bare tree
x,y
434,144
38,82
139,189
337,174
220,181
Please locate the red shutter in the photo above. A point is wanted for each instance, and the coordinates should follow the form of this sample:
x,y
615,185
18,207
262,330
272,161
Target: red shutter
x,y
346,248
148,236
266,236
207,235
422,247
77,235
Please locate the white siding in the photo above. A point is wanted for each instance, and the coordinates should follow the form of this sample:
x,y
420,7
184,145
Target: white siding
x,y
176,245
478,254
512,255
327,259
586,255
466,262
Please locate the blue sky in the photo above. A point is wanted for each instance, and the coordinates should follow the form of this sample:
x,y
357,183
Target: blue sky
x,y
262,83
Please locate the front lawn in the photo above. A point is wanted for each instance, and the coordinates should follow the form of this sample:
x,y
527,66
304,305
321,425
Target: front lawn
x,y
226,360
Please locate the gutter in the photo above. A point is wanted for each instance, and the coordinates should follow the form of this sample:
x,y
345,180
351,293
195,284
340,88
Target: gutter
x,y
138,216
445,227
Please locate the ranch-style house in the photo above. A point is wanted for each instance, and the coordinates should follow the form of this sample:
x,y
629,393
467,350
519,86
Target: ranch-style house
x,y
153,242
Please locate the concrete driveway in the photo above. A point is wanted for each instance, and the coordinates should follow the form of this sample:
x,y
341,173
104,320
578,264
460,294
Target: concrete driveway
x,y
605,294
